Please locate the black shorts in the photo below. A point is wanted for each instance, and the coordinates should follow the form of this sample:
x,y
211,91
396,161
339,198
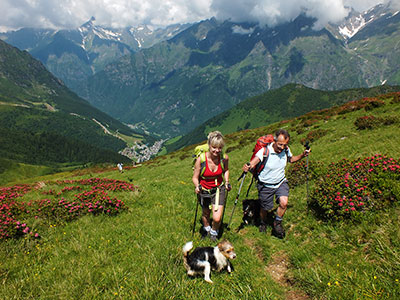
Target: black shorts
x,y
209,199
266,194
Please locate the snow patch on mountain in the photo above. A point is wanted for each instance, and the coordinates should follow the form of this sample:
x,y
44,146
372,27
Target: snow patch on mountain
x,y
349,30
356,21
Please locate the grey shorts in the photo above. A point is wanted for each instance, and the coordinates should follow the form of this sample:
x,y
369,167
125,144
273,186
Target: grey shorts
x,y
266,194
206,199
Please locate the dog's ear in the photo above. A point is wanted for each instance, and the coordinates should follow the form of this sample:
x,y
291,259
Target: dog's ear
x,y
221,244
224,245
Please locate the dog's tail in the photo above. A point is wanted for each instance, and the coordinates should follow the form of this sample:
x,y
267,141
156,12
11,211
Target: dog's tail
x,y
186,248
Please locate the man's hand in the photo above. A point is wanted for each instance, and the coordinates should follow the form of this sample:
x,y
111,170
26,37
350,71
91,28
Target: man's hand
x,y
228,186
246,167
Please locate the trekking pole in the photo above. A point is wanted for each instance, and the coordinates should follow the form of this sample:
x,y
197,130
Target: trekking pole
x,y
307,146
195,215
223,212
243,176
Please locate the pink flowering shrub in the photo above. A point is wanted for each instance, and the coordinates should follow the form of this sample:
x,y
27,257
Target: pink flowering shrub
x,y
69,200
370,122
364,103
366,122
348,188
314,135
396,98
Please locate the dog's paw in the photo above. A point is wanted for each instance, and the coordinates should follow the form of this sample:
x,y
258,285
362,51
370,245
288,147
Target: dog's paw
x,y
209,280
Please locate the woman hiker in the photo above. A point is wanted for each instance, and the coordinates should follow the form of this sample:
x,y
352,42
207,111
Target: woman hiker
x,y
210,173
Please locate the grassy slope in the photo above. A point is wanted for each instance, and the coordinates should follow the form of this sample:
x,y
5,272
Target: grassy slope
x,y
137,255
284,103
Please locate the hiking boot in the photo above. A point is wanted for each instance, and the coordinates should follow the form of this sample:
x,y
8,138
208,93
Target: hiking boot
x,y
278,230
262,228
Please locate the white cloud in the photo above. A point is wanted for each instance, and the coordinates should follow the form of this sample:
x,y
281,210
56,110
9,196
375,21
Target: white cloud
x,y
120,13
273,12
240,30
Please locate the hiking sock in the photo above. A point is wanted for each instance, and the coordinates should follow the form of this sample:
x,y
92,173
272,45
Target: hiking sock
x,y
207,228
278,218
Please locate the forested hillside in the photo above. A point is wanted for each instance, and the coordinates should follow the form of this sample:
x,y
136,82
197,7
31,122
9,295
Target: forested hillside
x,y
43,123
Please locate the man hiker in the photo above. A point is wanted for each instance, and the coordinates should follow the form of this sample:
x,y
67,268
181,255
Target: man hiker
x,y
272,181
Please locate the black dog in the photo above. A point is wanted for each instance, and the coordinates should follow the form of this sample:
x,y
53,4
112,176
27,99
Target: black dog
x,y
251,212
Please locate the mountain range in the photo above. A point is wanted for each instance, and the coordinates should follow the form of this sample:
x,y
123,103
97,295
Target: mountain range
x,y
176,85
75,54
172,84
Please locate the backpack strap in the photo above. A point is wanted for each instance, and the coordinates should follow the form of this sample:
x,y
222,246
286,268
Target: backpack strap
x,y
203,162
261,165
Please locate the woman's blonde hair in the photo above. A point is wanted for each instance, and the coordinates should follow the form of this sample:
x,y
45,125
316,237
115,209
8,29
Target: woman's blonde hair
x,y
216,139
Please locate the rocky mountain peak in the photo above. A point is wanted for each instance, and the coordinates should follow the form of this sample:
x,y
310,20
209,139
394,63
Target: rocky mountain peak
x,y
356,21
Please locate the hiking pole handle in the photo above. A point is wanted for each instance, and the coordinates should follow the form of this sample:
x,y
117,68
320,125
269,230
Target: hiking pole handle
x,y
243,173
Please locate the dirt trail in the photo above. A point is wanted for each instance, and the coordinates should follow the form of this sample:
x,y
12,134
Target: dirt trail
x,y
278,269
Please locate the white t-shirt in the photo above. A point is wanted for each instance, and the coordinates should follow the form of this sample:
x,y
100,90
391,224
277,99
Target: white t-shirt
x,y
273,173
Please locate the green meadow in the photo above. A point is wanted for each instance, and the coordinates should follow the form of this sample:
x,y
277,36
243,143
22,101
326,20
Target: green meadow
x,y
135,251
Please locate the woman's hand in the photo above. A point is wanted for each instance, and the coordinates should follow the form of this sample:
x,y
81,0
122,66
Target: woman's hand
x,y
198,189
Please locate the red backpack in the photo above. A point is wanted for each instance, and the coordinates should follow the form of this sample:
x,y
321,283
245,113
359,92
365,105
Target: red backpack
x,y
262,142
